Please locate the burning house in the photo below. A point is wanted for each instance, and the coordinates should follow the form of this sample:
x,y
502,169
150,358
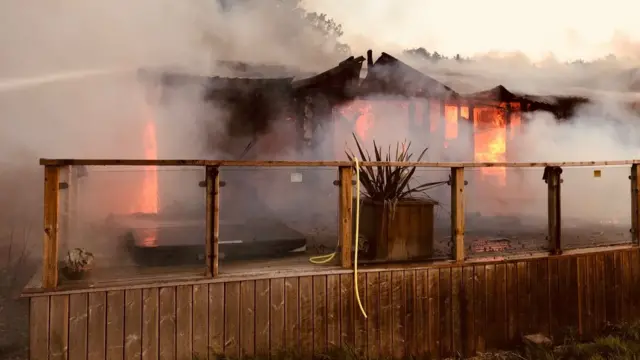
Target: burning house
x,y
341,100
269,112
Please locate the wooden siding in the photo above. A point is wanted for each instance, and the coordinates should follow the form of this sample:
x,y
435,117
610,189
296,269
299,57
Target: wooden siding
x,y
436,311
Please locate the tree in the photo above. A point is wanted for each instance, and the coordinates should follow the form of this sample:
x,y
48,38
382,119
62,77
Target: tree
x,y
321,23
418,52
329,29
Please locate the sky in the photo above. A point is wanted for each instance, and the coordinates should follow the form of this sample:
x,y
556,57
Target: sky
x,y
568,29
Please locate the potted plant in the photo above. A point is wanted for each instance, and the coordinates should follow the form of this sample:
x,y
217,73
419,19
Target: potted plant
x,y
396,218
77,264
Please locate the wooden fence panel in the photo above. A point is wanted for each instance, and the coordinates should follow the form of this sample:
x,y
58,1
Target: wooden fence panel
x,y
431,311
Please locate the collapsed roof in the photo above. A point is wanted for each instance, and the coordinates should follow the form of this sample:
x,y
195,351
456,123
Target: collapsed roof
x,y
387,76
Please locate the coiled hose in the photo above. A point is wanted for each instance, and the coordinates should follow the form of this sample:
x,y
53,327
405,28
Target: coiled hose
x,y
323,259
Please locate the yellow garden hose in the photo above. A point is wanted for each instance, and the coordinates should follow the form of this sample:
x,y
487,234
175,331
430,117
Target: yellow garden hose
x,y
323,259
355,261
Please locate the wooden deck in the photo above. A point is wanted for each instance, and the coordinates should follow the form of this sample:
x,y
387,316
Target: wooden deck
x,y
437,310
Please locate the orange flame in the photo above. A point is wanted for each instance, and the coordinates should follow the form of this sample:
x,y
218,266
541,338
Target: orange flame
x,y
359,115
451,122
364,123
490,141
464,112
149,199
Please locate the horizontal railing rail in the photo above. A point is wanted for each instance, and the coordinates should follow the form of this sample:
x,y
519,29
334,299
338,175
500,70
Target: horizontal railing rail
x,y
57,178
241,163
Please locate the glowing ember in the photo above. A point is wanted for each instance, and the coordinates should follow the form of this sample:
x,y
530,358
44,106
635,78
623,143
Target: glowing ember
x,y
490,141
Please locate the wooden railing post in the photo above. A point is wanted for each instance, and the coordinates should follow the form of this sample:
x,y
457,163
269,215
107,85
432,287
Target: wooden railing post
x,y
635,204
213,219
51,227
552,177
345,215
457,212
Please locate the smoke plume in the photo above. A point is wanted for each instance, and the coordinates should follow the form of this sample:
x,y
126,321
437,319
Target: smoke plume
x,y
68,88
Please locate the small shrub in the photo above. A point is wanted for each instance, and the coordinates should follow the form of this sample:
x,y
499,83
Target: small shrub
x,y
390,183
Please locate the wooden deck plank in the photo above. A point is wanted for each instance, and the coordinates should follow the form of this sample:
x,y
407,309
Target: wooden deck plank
x,y
533,288
262,324
247,318
467,311
96,338
386,315
398,315
231,311
480,310
167,326
333,311
200,321
292,314
217,296
572,298
542,296
624,275
184,322
635,284
78,318
277,332
456,310
555,301
346,311
500,306
491,331
115,325
306,316
434,313
319,314
524,304
39,328
150,323
512,303
584,328
373,313
600,296
359,321
133,324
411,303
59,327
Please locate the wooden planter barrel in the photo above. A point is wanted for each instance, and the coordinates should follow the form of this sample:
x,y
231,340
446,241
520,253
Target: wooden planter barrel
x,y
400,233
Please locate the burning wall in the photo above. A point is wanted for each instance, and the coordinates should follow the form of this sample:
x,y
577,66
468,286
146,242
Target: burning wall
x,y
439,125
393,102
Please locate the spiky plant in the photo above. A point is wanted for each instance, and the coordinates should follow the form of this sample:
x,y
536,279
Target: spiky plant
x,y
390,183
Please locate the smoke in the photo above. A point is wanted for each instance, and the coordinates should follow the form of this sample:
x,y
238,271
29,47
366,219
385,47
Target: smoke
x,y
69,87
607,128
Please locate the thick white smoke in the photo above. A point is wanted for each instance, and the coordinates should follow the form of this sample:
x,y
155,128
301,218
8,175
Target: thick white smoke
x,y
69,87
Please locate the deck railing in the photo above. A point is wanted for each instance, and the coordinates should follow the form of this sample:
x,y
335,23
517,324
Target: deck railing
x,y
57,178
